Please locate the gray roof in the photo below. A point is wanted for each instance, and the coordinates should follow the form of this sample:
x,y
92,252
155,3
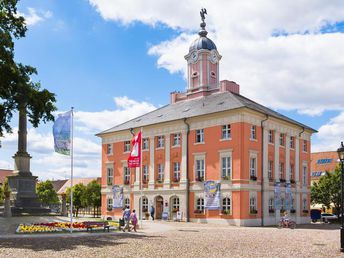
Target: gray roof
x,y
214,103
202,43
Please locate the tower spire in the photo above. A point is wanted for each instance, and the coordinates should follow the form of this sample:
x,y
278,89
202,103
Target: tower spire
x,y
203,32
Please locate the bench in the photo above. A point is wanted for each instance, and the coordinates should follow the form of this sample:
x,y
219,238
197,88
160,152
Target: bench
x,y
91,224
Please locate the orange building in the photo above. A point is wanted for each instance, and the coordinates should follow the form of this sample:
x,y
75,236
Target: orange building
x,y
322,162
211,132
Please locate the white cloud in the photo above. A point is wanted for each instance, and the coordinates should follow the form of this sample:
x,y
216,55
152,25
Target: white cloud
x,y
330,135
300,71
34,16
99,121
46,164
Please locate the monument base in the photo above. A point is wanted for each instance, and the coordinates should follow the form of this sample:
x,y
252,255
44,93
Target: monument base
x,y
23,191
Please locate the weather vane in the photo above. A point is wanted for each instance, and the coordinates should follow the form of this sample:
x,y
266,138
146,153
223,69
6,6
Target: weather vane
x,y
202,13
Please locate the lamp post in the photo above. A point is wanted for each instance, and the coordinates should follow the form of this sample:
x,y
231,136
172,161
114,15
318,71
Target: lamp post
x,y
341,159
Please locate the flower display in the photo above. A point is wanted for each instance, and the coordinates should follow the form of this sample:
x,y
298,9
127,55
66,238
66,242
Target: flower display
x,y
54,227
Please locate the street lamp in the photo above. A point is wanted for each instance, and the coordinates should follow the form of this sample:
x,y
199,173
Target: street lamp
x,y
341,159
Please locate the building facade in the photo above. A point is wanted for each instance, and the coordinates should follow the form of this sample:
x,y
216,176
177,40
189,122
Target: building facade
x,y
211,132
322,162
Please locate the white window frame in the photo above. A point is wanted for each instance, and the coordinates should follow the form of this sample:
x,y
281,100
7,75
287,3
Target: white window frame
x,y
200,168
253,132
126,174
176,139
109,176
253,204
270,169
160,172
199,136
109,203
226,132
176,171
304,174
281,139
292,142
160,142
126,146
175,203
227,204
200,204
253,166
304,145
109,149
145,144
271,204
145,174
144,203
304,204
271,136
126,202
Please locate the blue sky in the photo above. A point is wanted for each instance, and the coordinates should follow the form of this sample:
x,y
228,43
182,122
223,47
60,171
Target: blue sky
x,y
114,60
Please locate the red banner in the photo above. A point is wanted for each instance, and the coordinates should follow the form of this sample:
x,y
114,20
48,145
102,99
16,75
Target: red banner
x,y
135,153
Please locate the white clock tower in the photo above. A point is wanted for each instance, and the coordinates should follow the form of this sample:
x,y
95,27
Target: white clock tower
x,y
203,62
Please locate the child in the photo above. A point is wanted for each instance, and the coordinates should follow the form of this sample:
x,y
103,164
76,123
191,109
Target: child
x,y
133,220
285,219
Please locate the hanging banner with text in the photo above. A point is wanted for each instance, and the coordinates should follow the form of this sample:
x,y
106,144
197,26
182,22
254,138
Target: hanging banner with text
x,y
117,196
212,195
288,196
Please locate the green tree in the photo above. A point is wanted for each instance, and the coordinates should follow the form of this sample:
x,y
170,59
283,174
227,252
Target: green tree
x,y
1,196
93,196
46,193
78,197
327,190
17,90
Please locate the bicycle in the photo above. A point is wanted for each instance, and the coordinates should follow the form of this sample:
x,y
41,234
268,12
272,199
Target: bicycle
x,y
290,224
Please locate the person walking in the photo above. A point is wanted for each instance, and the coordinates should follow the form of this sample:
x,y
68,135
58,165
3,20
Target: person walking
x,y
133,219
126,217
152,211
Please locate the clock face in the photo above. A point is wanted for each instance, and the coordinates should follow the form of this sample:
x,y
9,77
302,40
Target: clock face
x,y
194,56
213,57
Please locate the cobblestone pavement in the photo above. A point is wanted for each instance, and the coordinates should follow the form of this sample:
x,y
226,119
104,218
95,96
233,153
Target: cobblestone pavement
x,y
170,239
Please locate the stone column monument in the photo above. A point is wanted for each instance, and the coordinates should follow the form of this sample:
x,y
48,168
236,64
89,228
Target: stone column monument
x,y
22,183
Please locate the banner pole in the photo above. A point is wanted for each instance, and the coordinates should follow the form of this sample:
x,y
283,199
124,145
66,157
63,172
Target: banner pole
x,y
141,178
71,175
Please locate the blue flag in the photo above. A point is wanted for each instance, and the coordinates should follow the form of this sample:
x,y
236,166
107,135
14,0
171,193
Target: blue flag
x,y
62,133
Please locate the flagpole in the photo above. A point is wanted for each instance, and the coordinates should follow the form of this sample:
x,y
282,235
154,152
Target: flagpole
x,y
71,175
141,178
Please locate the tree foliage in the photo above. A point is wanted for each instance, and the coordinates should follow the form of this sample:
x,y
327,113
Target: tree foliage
x,y
327,191
79,200
46,193
93,195
17,90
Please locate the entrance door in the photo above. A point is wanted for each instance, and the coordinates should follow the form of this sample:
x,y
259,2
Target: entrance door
x,y
159,205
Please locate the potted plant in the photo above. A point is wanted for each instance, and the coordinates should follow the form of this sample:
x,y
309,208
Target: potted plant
x,y
292,211
292,181
271,211
147,215
198,211
226,212
160,181
305,211
174,210
282,180
253,178
200,179
226,178
175,180
126,182
253,211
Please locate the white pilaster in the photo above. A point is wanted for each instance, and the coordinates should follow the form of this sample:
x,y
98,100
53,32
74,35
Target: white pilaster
x,y
287,158
276,159
184,158
265,155
297,176
151,163
167,160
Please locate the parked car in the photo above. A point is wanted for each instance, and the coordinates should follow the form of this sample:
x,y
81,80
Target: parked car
x,y
328,216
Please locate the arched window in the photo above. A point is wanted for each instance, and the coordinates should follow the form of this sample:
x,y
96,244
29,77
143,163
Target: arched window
x,y
144,204
126,202
226,205
200,204
175,204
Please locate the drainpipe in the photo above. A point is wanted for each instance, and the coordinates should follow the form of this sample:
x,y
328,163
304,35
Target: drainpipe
x,y
262,167
303,129
187,171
